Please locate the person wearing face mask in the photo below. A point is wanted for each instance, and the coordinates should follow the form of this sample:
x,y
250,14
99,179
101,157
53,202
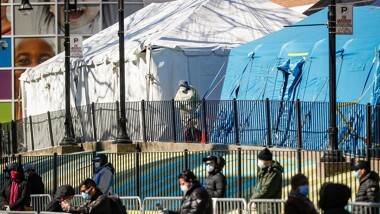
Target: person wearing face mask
x,y
269,183
97,203
104,173
63,193
196,199
368,190
333,198
15,194
187,101
216,182
36,184
298,202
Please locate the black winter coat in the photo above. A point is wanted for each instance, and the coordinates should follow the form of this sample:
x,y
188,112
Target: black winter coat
x,y
368,191
36,184
196,201
99,204
55,203
298,203
216,185
23,194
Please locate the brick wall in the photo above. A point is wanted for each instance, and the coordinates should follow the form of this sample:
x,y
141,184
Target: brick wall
x,y
294,3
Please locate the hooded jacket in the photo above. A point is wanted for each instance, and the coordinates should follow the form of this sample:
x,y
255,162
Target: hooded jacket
x,y
269,185
368,191
103,178
55,203
334,198
196,201
216,184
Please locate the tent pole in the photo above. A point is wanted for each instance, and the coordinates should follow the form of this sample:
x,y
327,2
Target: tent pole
x,y
123,137
333,154
68,138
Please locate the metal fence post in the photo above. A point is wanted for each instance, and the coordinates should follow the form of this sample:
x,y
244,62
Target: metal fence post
x,y
50,130
143,119
267,113
19,159
9,139
137,171
14,136
31,132
369,133
204,120
240,183
299,133
236,122
173,121
55,171
94,122
186,159
117,115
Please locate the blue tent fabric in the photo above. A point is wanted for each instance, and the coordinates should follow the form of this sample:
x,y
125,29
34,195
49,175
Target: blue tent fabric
x,y
292,64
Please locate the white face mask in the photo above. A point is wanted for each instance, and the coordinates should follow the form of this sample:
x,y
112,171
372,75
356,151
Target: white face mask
x,y
183,88
261,164
97,164
184,188
209,168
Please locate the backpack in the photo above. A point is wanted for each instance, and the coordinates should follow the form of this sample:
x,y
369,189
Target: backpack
x,y
220,162
117,206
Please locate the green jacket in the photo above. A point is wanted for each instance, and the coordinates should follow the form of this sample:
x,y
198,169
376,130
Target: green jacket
x,y
269,185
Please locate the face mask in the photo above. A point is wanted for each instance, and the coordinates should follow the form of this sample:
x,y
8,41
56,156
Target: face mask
x,y
209,168
304,190
86,196
356,174
183,88
261,164
26,175
14,174
97,164
184,188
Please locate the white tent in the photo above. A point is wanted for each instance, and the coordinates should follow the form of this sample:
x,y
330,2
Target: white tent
x,y
164,43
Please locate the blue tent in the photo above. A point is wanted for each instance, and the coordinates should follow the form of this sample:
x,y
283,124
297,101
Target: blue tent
x,y
292,64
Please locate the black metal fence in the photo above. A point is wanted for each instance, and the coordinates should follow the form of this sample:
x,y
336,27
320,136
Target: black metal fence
x,y
259,122
150,174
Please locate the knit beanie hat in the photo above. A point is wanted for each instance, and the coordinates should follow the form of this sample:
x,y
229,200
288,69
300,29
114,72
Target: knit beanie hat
x,y
265,154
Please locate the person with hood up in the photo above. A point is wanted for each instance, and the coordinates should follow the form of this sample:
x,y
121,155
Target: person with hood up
x,y
63,193
368,190
298,202
216,182
104,173
36,184
187,102
15,194
333,198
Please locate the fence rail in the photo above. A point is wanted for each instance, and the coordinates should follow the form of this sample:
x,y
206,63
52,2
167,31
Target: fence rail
x,y
242,122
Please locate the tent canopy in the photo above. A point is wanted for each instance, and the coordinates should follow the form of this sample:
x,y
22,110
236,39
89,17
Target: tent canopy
x,y
165,42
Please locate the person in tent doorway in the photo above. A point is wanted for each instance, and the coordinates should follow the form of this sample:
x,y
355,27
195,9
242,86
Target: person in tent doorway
x,y
104,173
188,102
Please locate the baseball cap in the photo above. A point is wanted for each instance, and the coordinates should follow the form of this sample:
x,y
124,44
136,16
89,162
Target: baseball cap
x,y
361,165
28,166
101,157
209,158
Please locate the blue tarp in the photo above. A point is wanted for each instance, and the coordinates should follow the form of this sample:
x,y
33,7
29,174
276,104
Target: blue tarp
x,y
293,64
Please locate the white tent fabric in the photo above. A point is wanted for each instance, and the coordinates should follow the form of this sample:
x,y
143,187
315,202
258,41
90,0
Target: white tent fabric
x,y
164,43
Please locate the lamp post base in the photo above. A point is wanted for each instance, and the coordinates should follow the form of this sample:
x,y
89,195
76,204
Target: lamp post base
x,y
123,139
68,141
333,156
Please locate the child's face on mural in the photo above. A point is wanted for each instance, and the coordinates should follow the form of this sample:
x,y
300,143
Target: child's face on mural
x,y
85,15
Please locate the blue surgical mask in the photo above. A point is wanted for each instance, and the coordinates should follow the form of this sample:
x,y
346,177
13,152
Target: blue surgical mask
x,y
356,174
86,196
97,164
303,190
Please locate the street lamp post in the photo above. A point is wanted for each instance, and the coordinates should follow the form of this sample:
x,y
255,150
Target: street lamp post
x,y
68,139
333,155
123,136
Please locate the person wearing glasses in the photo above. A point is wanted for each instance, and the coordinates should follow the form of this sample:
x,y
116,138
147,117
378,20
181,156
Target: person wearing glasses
x,y
96,203
216,182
